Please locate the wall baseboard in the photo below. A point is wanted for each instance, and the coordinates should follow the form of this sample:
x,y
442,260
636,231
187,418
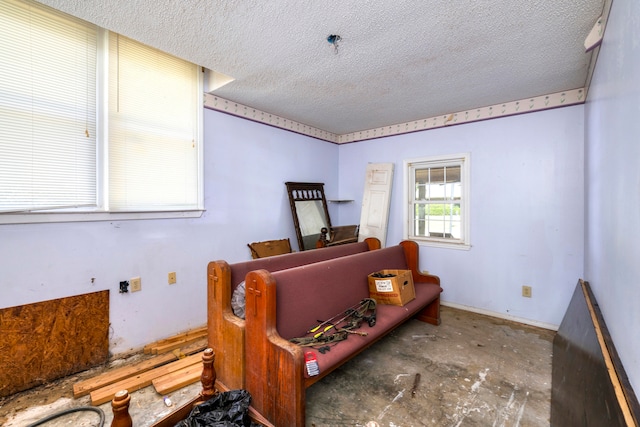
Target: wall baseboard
x,y
522,320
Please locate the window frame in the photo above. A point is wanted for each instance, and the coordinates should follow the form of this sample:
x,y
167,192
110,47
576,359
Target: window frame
x,y
101,211
410,165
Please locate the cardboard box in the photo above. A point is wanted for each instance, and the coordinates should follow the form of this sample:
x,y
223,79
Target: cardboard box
x,y
396,289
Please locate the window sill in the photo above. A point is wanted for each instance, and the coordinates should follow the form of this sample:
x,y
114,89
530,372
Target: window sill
x,y
44,217
442,244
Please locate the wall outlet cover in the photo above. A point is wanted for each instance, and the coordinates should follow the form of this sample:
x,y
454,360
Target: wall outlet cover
x,y
135,284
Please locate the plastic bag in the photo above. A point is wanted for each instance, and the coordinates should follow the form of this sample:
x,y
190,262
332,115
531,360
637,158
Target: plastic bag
x,y
238,300
228,409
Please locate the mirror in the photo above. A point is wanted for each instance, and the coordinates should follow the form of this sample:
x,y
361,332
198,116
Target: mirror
x,y
309,210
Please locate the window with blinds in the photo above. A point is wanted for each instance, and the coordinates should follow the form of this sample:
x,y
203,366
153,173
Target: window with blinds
x,y
153,139
437,200
68,146
47,109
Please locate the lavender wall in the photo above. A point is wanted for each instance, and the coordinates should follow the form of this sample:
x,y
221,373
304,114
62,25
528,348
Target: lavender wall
x,y
527,207
246,165
612,152
527,222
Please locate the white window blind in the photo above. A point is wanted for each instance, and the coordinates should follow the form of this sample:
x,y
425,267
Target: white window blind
x,y
153,128
47,109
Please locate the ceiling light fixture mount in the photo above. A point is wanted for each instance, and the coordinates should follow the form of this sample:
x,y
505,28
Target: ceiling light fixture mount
x,y
334,39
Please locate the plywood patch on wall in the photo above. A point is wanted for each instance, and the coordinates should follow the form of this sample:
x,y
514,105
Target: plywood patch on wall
x,y
48,340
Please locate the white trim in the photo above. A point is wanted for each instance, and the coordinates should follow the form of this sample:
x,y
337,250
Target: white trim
x,y
216,103
528,105
200,136
543,325
102,120
520,106
34,218
434,243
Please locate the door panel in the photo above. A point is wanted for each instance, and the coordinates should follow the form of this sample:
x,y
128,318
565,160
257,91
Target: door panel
x,y
374,215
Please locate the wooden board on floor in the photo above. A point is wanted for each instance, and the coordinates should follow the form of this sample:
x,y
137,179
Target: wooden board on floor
x,y
165,348
178,379
171,343
48,340
589,384
105,394
189,349
82,388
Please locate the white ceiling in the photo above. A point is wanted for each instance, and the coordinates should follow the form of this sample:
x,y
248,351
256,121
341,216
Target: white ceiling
x,y
397,61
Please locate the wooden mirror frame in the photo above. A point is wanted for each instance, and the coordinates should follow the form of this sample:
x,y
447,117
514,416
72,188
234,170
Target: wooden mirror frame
x,y
304,192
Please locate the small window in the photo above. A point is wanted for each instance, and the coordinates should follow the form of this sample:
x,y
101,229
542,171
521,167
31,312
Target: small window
x,y
438,200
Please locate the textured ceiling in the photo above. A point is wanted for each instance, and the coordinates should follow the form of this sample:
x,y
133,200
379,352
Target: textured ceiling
x,y
397,60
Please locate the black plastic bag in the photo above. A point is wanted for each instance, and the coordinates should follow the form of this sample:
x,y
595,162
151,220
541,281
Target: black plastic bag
x,y
228,409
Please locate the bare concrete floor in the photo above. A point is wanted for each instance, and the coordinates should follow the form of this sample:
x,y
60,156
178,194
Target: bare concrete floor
x,y
474,371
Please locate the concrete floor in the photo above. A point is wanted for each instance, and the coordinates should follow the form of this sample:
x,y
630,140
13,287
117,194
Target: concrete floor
x,y
474,371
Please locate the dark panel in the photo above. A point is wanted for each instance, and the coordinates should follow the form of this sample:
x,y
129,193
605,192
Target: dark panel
x,y
582,391
44,341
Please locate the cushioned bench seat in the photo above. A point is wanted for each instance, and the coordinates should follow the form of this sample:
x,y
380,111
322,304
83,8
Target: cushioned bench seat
x,y
225,329
285,304
387,319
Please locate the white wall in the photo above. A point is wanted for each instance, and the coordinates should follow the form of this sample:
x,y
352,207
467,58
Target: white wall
x,y
527,206
612,154
246,165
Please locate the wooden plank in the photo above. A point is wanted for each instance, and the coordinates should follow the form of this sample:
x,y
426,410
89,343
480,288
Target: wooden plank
x,y
172,346
202,331
196,347
614,366
199,332
47,340
178,379
105,394
589,386
82,388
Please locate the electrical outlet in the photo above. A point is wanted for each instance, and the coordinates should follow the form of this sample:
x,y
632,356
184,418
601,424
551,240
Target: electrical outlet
x,y
124,286
136,284
172,278
526,291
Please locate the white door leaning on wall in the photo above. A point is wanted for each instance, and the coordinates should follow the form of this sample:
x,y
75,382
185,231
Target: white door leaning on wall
x,y
374,215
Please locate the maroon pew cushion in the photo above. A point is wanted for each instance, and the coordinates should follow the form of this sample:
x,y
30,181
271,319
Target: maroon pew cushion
x,y
331,287
281,262
321,290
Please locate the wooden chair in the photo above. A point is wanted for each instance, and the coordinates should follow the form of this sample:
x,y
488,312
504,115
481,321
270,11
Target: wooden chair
x,y
339,235
269,248
121,400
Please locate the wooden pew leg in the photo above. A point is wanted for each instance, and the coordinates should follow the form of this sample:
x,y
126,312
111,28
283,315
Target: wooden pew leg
x,y
120,406
208,377
120,402
208,380
431,313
